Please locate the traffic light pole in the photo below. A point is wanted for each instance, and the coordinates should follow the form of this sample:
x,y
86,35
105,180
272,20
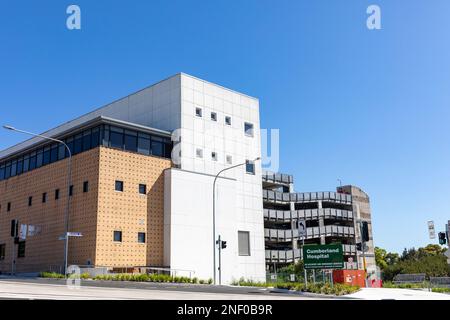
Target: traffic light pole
x,y
363,243
219,243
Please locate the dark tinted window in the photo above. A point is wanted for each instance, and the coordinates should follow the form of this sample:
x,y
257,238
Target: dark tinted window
x,y
71,191
26,164
30,201
44,197
46,157
21,249
119,186
141,237
157,147
95,138
78,144
142,189
131,141
32,161
250,167
118,236
86,186
116,137
13,168
54,153
56,194
87,140
39,159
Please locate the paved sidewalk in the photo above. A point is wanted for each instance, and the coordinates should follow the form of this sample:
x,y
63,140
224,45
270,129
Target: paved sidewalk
x,y
397,294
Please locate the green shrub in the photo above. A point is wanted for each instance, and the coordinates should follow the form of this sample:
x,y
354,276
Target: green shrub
x,y
53,275
441,290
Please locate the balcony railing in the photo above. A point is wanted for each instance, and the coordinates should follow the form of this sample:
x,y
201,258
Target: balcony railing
x,y
307,214
285,197
311,233
277,177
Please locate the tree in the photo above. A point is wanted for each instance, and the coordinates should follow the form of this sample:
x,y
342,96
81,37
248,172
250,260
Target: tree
x,y
380,258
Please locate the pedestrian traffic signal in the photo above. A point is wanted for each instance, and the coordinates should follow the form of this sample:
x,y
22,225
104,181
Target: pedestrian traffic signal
x,y
223,244
359,246
442,238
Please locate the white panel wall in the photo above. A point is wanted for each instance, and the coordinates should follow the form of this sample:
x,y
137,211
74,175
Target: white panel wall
x,y
216,136
188,242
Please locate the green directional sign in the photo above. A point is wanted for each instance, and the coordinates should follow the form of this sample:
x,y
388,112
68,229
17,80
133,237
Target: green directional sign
x,y
328,256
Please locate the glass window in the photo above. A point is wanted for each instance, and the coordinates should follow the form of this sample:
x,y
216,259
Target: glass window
x,y
144,145
87,140
2,251
61,151
69,143
199,153
229,159
250,167
19,166
214,156
228,120
105,136
2,172
157,147
54,153
118,236
14,168
26,163
116,138
46,157
71,191
143,189
39,158
213,116
8,208
244,243
141,237
78,144
56,194
248,128
131,141
198,112
95,137
30,201
44,197
85,186
8,170
119,186
32,161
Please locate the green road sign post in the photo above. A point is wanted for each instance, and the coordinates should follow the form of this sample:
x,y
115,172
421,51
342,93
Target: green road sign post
x,y
328,256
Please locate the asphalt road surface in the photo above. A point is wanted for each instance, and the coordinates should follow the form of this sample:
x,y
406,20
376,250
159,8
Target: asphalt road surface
x,y
36,288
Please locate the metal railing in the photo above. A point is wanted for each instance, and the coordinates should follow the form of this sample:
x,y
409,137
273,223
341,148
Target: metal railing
x,y
307,214
311,233
285,197
277,177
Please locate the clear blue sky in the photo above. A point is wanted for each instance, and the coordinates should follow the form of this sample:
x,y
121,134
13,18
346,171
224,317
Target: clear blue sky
x,y
369,107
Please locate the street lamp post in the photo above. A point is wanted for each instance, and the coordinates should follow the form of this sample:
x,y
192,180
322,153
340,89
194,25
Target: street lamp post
x,y
69,174
214,215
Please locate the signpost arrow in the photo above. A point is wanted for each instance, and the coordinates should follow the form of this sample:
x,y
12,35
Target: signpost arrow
x,y
71,234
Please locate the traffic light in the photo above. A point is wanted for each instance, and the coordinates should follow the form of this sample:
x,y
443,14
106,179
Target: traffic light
x,y
365,231
359,246
14,228
442,238
223,244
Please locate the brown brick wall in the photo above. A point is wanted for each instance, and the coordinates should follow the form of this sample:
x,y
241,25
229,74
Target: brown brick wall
x,y
44,249
96,213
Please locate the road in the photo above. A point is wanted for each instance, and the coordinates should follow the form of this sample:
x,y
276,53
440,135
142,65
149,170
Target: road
x,y
52,289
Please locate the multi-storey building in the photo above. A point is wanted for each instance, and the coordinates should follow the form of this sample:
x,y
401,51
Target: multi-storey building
x,y
141,191
330,217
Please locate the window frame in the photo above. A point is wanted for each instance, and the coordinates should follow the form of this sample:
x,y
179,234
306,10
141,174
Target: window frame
x,y
117,232
116,183
248,244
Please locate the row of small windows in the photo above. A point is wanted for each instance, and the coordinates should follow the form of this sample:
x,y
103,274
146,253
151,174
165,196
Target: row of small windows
x,y
119,187
248,127
105,135
117,236
45,196
249,165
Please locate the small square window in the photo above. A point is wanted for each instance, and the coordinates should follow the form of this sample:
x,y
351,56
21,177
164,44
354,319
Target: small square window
x,y
8,207
248,128
119,186
199,153
198,112
213,116
143,189
229,159
214,156
141,237
30,201
44,197
85,186
56,194
250,167
118,236
228,120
